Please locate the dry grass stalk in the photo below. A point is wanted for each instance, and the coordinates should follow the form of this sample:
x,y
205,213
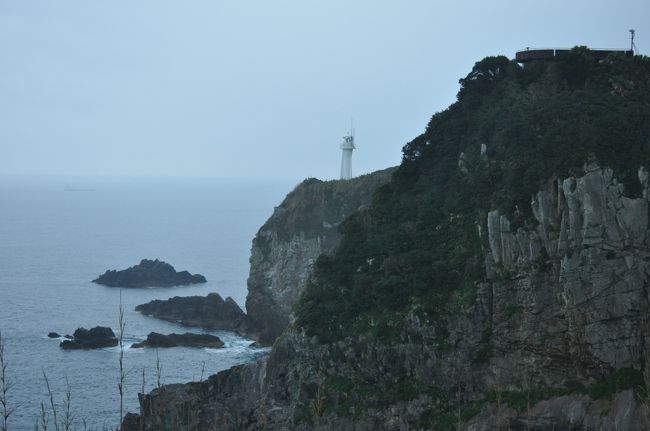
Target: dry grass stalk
x,y
122,377
52,404
5,387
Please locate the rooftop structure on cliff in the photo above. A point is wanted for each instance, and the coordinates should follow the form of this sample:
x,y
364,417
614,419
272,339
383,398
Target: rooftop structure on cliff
x,y
528,55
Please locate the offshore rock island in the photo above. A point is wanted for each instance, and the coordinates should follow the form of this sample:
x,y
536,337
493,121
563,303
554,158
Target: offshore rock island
x,y
148,273
187,339
94,338
498,280
210,312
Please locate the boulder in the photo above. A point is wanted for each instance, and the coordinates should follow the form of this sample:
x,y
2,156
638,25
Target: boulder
x,y
53,335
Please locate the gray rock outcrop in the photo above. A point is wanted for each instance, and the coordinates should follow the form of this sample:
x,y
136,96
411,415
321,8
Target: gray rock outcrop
x,y
599,239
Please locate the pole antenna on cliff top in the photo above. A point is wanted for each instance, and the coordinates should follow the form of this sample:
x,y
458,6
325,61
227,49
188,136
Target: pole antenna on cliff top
x,y
632,46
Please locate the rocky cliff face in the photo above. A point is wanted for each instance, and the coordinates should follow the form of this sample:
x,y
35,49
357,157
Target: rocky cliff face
x,y
286,246
496,282
554,339
597,239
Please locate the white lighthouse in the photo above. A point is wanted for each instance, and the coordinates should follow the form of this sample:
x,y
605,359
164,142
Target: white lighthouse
x,y
346,158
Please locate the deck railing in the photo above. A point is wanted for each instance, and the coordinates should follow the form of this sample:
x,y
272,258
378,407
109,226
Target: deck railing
x,y
528,54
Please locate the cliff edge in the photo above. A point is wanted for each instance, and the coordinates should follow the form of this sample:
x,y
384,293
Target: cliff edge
x,y
304,226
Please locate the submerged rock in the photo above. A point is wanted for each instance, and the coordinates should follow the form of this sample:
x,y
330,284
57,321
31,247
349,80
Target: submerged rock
x,y
187,339
53,335
148,273
95,338
210,311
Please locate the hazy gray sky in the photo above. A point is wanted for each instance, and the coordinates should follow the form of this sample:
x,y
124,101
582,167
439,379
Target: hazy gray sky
x,y
260,89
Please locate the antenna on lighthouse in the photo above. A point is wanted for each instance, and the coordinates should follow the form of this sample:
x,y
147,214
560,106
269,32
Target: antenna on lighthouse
x,y
632,47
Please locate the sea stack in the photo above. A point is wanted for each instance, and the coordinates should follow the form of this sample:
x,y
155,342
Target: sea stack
x,y
148,273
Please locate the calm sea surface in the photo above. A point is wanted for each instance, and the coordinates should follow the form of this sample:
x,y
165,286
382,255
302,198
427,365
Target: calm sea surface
x,y
53,242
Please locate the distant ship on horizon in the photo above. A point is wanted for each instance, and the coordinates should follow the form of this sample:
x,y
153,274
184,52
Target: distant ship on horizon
x,y
76,189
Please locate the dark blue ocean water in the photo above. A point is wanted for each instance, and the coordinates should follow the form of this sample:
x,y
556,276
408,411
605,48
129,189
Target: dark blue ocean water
x,y
53,242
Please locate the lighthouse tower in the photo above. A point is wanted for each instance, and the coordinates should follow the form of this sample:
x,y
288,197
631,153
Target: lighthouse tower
x,y
346,159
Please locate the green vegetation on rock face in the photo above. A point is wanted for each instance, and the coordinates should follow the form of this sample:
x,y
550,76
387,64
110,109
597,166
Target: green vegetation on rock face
x,y
447,417
418,247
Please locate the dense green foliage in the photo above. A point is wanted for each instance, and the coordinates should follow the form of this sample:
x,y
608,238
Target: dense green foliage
x,y
417,248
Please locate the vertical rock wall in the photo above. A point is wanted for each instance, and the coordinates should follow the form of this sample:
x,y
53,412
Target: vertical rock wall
x,y
600,239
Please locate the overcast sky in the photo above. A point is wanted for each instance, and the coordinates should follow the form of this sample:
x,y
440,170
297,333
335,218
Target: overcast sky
x,y
255,89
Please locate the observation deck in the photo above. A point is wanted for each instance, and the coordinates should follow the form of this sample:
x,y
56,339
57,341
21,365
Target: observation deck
x,y
547,54
348,143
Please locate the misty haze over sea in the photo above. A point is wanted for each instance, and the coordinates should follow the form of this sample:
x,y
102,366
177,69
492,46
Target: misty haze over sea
x,y
53,242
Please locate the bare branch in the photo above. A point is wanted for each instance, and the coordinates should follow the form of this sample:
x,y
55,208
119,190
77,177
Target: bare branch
x,y
5,387
122,377
52,404
67,403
